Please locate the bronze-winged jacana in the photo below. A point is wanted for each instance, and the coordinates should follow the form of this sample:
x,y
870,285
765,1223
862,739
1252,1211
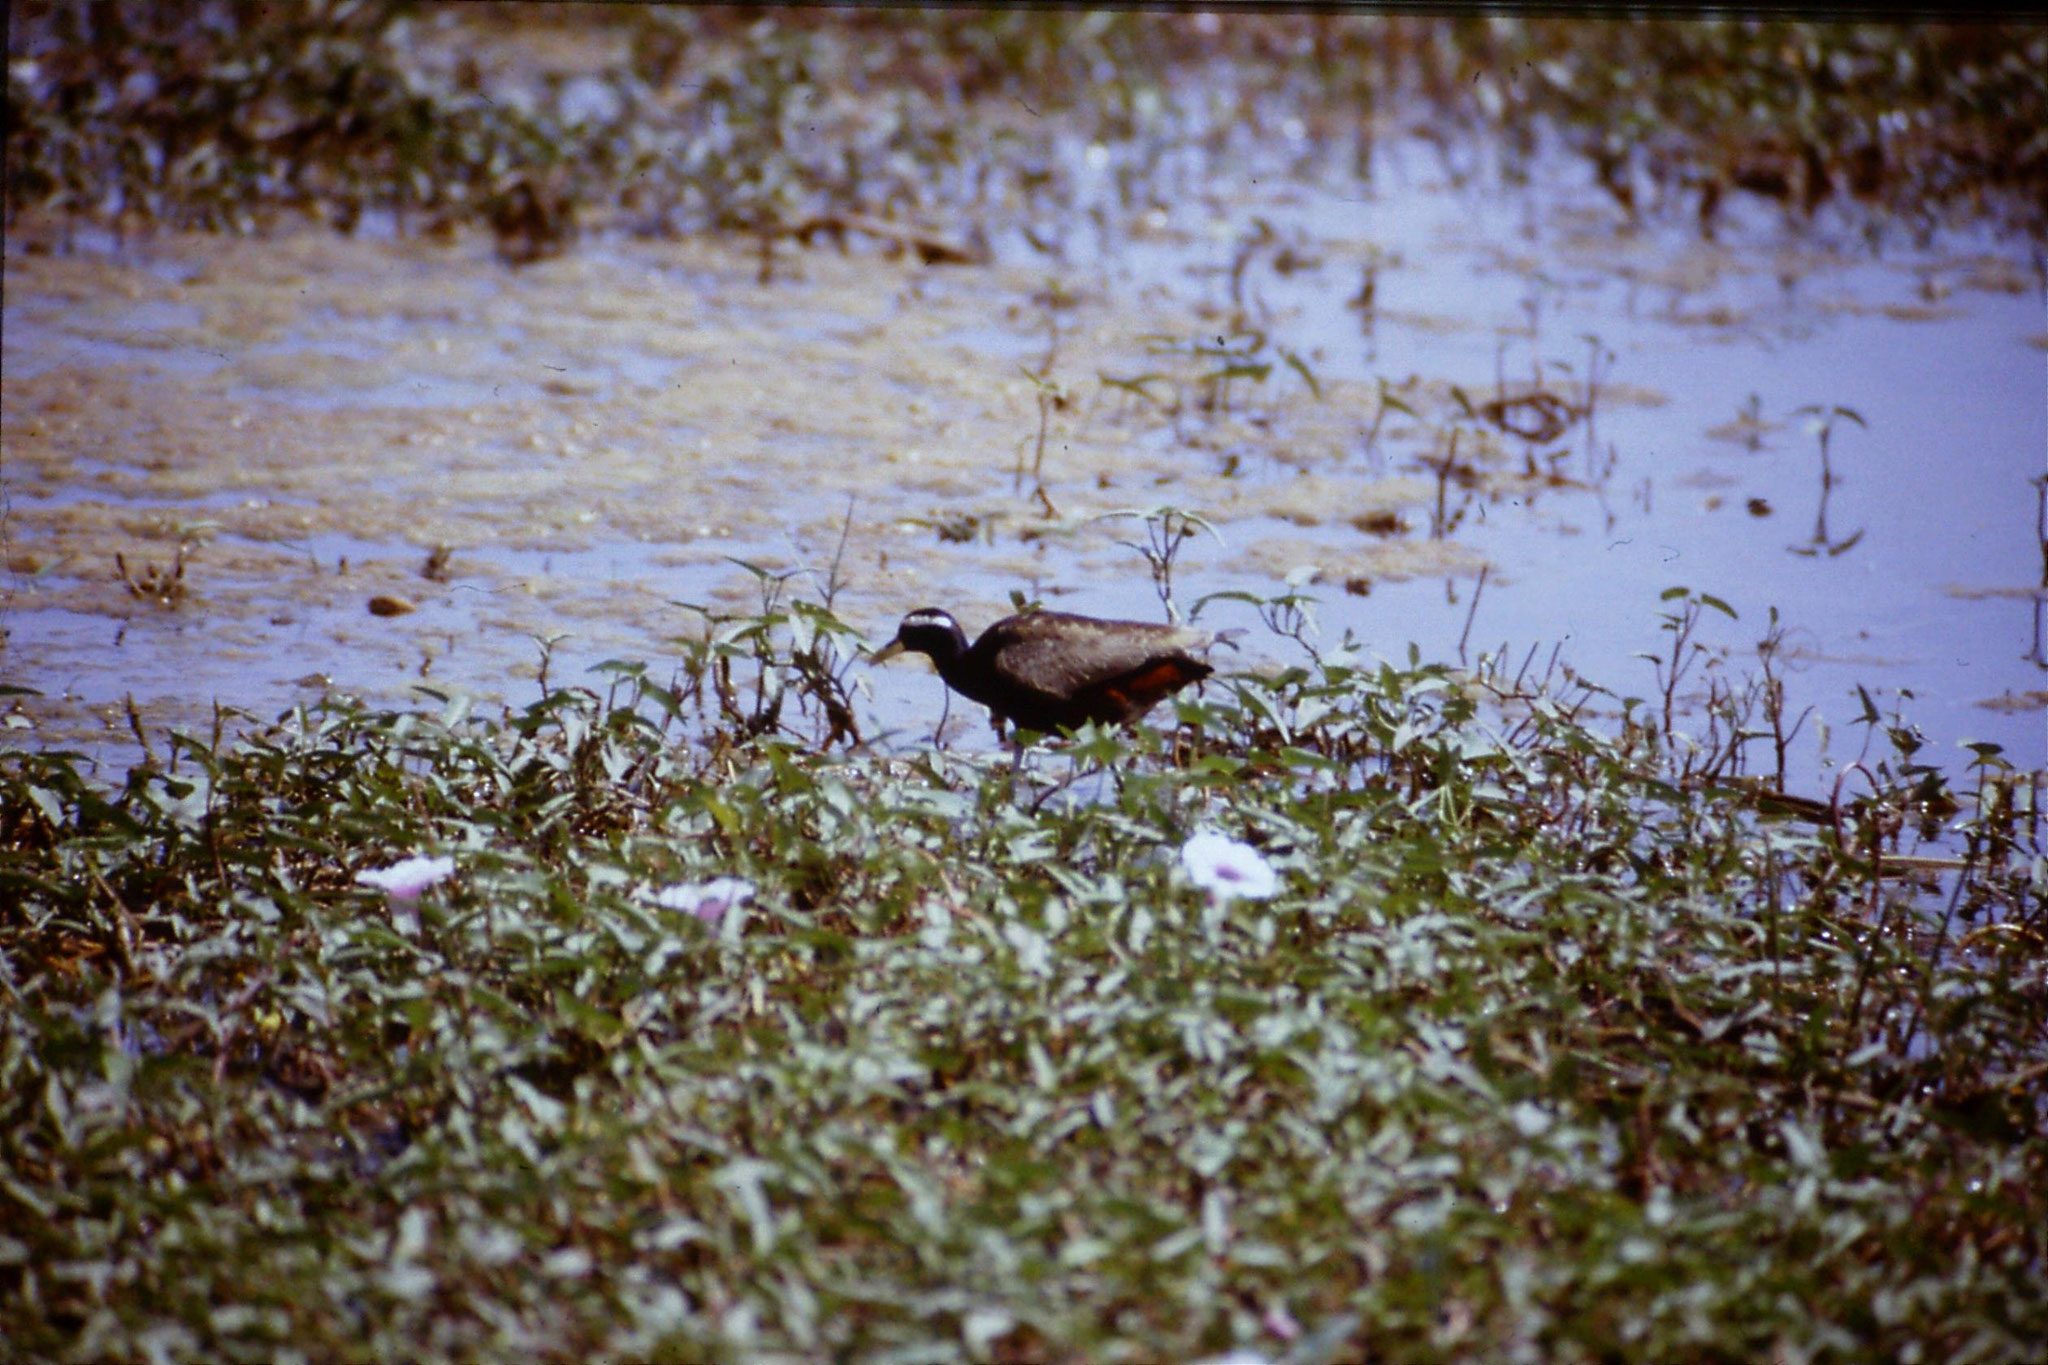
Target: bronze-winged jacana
x,y
1052,671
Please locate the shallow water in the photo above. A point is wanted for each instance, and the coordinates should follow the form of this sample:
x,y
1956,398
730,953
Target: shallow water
x,y
1925,581
598,438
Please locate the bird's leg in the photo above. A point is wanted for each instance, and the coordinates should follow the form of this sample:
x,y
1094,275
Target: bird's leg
x,y
1014,737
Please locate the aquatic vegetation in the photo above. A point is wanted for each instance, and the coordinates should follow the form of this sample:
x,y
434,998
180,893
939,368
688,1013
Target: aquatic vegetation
x,y
1560,1027
795,124
1820,424
153,582
1558,1033
1918,121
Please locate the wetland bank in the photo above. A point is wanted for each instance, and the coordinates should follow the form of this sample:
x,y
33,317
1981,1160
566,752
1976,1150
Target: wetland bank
x,y
1640,720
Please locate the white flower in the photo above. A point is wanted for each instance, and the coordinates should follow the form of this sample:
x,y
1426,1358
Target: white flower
x,y
1227,869
708,901
403,881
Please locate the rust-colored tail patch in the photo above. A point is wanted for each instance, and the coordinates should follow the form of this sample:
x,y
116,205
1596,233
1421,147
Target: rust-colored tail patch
x,y
1144,689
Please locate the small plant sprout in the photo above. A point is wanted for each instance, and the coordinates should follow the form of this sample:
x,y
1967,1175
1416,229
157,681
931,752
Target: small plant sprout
x,y
1237,355
708,901
1441,519
1597,354
1681,625
404,880
1290,615
1052,397
1226,869
1820,422
1166,530
2040,487
747,666
1820,425
1387,403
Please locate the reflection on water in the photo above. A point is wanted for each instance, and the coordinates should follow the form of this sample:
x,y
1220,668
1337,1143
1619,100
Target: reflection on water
x,y
1383,390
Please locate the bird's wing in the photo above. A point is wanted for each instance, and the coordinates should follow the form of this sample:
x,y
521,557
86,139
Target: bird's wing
x,y
1078,652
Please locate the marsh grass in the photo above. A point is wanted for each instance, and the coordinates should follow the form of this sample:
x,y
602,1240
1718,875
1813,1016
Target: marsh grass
x,y
1555,1041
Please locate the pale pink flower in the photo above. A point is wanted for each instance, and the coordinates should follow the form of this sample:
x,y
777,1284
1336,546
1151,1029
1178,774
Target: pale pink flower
x,y
708,901
404,880
1227,869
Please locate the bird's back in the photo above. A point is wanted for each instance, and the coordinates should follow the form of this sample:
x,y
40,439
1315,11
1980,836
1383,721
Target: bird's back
x,y
1051,670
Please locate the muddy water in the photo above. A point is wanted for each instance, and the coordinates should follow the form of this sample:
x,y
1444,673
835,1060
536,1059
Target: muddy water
x,y
219,453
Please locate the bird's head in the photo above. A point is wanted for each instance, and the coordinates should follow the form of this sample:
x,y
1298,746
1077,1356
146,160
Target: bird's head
x,y
928,631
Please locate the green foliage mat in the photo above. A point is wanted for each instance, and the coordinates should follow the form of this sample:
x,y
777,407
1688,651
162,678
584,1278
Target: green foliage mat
x,y
1540,1050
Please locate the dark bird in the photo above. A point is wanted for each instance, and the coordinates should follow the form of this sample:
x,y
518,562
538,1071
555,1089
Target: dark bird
x,y
1052,671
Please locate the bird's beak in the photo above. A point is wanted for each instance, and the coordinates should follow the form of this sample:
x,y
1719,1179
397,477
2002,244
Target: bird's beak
x,y
887,652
